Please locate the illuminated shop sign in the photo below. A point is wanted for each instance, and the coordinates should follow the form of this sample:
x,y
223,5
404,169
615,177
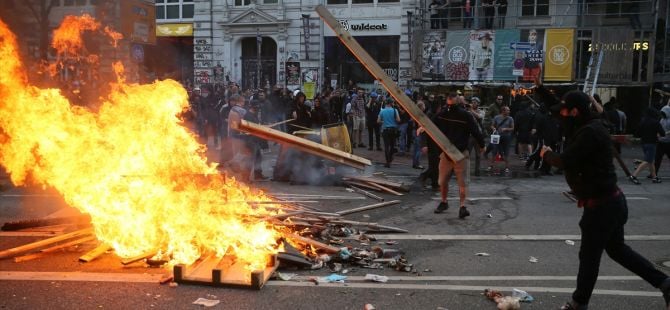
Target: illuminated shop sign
x,y
637,46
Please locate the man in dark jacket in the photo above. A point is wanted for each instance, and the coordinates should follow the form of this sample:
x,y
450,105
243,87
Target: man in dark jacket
x,y
458,125
589,171
372,109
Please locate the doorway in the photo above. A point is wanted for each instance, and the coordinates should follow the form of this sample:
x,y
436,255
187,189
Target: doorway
x,y
250,63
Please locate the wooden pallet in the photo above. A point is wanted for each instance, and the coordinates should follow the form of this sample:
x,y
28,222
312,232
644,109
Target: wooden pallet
x,y
225,272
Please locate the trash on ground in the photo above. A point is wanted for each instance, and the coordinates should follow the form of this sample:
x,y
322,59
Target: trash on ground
x,y
482,254
533,259
206,302
503,302
523,296
335,267
489,215
333,278
369,307
376,278
569,242
285,276
173,284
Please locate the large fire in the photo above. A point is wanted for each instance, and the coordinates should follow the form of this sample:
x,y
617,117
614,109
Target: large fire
x,y
131,164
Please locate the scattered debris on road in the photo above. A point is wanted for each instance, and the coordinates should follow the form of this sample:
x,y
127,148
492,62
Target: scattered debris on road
x,y
533,259
206,302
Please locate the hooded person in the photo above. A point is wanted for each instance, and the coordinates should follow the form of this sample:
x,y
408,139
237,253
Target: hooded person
x,y
589,171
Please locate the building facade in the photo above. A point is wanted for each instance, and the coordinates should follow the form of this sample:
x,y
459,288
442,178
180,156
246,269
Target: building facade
x,y
261,43
291,44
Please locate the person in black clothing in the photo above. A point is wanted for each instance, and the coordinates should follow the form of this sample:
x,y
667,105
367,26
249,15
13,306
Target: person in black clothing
x,y
431,148
524,120
372,109
501,5
649,130
458,125
254,144
301,114
319,113
489,13
589,171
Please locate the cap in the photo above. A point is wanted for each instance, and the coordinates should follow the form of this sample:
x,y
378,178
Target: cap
x,y
197,88
475,99
459,92
499,97
295,92
408,92
373,95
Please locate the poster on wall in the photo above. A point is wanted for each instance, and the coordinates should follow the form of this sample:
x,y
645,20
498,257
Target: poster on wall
x,y
292,74
506,55
310,78
533,58
482,49
457,58
433,56
560,46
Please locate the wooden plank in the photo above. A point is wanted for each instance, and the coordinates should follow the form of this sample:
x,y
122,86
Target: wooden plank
x,y
369,207
47,251
365,193
304,145
130,260
370,225
384,188
388,83
319,245
95,253
361,184
380,181
42,243
203,271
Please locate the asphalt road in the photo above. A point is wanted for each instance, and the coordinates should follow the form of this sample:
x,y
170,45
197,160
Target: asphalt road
x,y
512,220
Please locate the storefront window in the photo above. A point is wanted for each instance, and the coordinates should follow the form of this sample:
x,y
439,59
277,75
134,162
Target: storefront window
x,y
340,61
174,9
361,1
337,1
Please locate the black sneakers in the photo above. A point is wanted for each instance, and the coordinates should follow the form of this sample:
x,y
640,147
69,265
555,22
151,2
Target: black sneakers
x,y
634,180
572,305
443,206
665,289
656,180
463,212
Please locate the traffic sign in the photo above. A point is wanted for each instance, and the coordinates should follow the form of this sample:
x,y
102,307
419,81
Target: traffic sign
x,y
520,45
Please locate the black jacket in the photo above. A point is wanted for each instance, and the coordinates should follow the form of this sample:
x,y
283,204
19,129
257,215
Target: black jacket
x,y
458,125
649,130
587,161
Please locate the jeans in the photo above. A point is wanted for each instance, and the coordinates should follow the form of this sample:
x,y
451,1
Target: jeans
x,y
373,135
402,128
602,227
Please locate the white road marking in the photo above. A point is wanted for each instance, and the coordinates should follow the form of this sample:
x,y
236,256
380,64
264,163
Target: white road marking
x,y
443,287
485,278
27,234
477,198
154,278
28,195
507,237
79,276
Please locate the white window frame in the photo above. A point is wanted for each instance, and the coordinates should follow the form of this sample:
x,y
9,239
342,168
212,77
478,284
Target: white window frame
x,y
535,6
165,4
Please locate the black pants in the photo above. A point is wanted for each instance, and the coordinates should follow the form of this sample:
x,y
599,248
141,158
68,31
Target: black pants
x,y
489,15
434,21
389,135
602,230
661,149
432,171
373,129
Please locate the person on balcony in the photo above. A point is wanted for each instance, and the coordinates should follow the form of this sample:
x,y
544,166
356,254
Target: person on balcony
x,y
489,13
501,5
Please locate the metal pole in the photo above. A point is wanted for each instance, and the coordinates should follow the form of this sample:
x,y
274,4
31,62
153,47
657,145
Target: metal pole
x,y
259,42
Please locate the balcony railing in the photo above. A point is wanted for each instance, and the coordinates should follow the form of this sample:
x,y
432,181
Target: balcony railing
x,y
637,14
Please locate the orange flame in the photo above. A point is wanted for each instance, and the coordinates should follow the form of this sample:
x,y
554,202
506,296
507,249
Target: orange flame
x,y
131,165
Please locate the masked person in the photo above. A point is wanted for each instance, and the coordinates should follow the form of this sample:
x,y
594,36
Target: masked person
x,y
589,171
